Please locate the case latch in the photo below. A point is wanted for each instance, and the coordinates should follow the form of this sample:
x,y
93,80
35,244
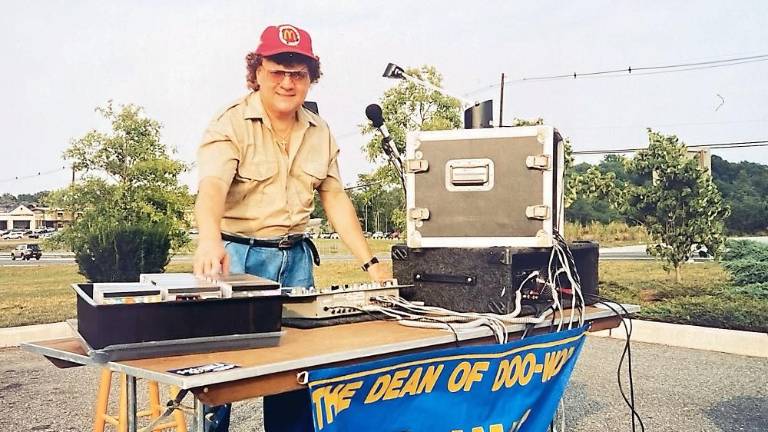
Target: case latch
x,y
416,165
418,213
540,212
540,162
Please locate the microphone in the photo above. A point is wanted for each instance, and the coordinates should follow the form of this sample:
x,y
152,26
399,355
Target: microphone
x,y
373,112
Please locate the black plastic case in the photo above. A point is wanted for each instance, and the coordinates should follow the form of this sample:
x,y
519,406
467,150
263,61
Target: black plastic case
x,y
486,279
103,326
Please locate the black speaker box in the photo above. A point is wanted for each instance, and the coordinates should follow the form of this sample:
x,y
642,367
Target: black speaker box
x,y
486,279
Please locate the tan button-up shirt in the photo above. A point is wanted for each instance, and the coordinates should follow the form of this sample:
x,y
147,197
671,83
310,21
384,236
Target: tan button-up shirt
x,y
271,190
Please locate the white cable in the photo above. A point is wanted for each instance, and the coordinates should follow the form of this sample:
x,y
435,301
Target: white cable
x,y
564,269
414,316
575,286
555,296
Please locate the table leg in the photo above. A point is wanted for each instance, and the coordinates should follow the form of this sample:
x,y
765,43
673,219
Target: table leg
x,y
132,426
198,424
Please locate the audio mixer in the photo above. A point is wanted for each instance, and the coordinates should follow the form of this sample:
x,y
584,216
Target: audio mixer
x,y
335,300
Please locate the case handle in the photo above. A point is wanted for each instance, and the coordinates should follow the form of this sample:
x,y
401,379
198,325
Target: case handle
x,y
445,278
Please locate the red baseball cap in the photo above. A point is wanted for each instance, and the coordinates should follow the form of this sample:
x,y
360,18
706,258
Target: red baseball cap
x,y
285,38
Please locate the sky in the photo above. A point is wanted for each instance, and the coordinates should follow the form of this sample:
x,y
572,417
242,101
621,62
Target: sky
x,y
184,61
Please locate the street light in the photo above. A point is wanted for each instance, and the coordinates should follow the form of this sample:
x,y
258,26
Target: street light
x,y
476,114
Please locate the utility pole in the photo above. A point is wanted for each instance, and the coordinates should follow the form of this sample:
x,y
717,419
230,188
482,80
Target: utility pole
x,y
501,102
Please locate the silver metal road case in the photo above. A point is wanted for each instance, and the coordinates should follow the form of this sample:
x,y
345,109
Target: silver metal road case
x,y
484,187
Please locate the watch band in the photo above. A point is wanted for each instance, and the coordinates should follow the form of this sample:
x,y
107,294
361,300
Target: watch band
x,y
367,265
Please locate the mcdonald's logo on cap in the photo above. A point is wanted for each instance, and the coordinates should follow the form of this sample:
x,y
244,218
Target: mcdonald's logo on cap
x,y
285,38
289,35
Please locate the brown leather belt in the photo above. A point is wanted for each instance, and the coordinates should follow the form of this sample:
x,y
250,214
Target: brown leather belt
x,y
284,242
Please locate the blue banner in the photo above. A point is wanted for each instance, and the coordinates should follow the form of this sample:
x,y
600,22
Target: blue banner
x,y
490,388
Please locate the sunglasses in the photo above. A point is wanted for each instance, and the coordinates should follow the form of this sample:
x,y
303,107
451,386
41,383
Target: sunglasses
x,y
278,75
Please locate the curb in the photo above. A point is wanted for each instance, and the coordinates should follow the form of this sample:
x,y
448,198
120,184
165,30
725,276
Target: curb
x,y
13,336
738,342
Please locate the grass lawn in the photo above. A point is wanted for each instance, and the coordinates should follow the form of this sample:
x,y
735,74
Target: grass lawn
x,y
324,246
42,294
705,297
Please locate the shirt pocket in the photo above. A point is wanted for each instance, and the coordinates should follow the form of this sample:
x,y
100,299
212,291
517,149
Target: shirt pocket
x,y
249,179
316,172
256,171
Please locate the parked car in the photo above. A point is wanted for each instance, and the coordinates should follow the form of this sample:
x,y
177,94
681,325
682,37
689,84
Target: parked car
x,y
334,235
378,235
13,235
27,252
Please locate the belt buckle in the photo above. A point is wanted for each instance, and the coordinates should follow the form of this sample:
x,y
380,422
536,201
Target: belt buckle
x,y
284,243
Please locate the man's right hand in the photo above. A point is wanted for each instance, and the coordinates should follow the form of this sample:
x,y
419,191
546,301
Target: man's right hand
x,y
211,260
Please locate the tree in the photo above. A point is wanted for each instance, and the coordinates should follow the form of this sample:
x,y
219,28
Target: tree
x,y
410,107
8,200
744,186
128,179
406,107
378,203
676,201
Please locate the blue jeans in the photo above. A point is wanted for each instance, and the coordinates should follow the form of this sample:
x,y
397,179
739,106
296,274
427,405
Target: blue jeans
x,y
289,412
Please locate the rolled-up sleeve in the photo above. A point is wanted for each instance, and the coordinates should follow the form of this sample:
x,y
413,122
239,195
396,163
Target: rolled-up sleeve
x,y
333,181
218,155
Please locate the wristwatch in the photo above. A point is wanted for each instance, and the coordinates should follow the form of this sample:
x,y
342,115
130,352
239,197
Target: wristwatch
x,y
373,261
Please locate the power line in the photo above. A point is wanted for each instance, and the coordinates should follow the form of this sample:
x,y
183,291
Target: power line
x,y
656,125
726,145
365,185
723,145
640,70
39,174
658,69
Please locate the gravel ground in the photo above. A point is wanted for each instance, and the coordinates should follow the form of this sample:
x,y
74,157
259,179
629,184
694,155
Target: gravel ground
x,y
676,389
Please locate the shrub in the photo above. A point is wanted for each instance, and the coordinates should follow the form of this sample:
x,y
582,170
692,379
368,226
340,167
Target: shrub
x,y
745,249
747,271
120,253
722,311
758,290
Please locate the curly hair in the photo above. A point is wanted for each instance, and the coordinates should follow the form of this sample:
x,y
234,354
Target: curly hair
x,y
253,61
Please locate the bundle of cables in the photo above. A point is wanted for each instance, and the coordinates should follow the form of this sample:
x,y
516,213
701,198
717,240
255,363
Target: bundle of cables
x,y
619,310
561,282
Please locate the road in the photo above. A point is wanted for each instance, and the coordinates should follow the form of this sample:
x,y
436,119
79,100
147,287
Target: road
x,y
676,389
68,259
634,252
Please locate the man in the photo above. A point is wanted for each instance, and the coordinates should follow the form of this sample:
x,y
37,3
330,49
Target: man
x,y
259,164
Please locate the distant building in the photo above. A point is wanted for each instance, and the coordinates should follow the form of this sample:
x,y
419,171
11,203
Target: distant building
x,y
30,217
703,156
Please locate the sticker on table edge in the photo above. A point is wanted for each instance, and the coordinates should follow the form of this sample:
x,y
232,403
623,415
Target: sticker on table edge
x,y
198,370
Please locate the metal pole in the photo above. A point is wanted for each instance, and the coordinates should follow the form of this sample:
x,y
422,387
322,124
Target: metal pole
x,y
132,426
501,102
